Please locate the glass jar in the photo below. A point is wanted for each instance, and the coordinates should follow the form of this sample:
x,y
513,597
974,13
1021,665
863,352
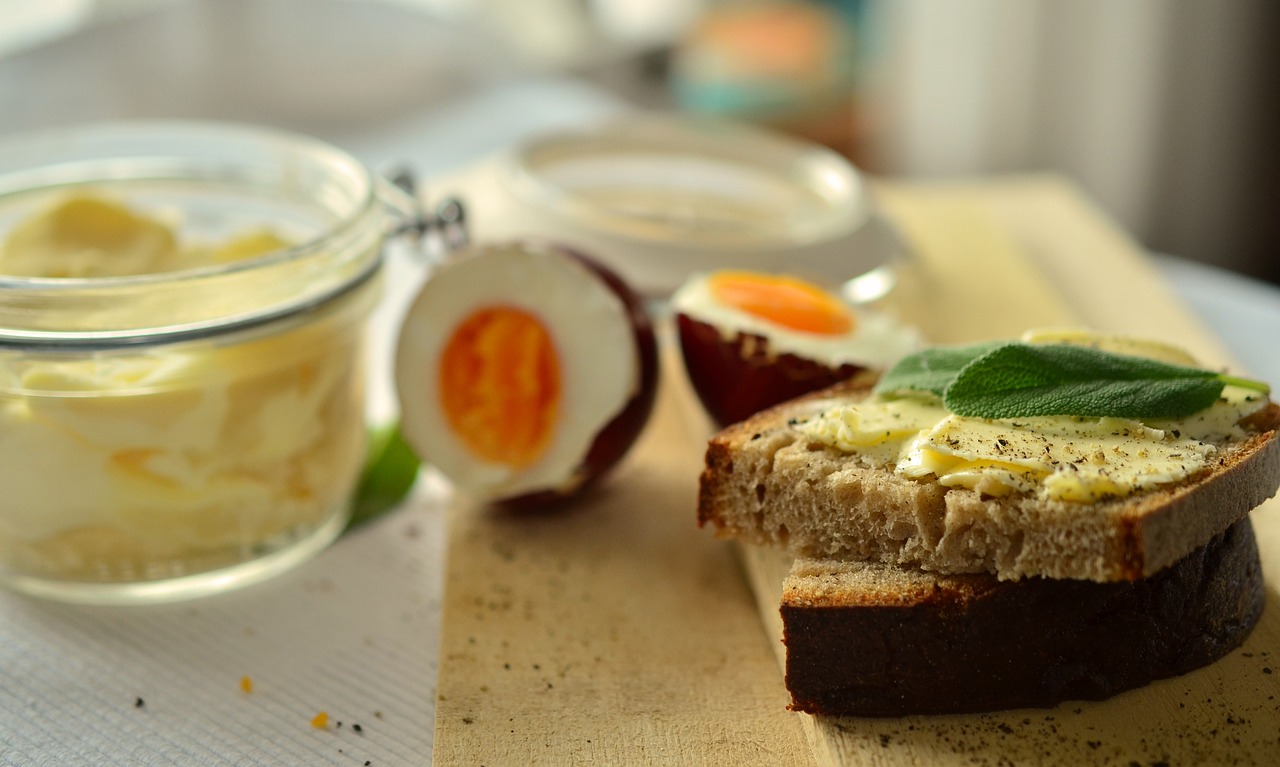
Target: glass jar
x,y
658,198
191,426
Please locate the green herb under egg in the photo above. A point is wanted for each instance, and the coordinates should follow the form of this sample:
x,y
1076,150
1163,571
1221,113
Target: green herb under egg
x,y
389,473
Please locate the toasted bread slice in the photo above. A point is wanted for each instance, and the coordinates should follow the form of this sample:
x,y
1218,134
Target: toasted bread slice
x,y
766,483
877,640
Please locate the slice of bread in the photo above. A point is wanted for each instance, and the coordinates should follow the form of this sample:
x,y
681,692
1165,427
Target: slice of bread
x,y
765,482
877,640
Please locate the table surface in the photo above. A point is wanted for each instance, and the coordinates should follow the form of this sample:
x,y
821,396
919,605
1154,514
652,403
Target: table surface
x,y
613,631
354,632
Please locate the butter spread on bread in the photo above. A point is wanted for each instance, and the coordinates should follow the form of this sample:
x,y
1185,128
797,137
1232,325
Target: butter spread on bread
x,y
1067,458
1063,457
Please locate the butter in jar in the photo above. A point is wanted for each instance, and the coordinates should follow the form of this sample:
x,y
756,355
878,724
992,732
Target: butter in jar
x,y
182,311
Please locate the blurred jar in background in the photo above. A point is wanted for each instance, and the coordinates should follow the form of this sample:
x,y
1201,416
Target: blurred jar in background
x,y
785,64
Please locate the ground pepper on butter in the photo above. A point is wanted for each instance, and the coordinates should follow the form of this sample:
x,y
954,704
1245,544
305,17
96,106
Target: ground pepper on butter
x,y
1066,458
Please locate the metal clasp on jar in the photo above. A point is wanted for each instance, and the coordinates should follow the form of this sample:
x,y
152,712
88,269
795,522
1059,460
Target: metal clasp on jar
x,y
436,233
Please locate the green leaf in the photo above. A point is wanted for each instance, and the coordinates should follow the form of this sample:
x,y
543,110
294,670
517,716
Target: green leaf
x,y
931,370
1021,380
389,473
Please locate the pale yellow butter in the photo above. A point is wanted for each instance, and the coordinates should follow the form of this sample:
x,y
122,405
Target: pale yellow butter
x,y
1059,458
118,464
93,236
875,429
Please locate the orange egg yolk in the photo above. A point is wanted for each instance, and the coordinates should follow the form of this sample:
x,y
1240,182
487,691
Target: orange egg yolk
x,y
500,385
787,301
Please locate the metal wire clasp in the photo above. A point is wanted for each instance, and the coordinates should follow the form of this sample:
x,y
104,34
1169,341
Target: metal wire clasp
x,y
445,225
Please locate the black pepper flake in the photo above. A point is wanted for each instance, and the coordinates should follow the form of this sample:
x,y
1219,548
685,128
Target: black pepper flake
x,y
357,728
139,703
367,763
1266,669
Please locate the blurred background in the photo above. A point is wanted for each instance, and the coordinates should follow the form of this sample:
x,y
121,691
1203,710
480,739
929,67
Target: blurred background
x,y
1163,111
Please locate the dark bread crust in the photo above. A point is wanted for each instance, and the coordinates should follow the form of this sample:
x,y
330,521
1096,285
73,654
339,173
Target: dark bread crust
x,y
880,641
764,483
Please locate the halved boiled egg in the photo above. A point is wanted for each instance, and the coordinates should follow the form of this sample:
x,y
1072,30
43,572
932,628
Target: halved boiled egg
x,y
524,371
751,340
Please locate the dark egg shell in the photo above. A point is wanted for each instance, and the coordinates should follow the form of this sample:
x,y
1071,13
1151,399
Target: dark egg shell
x,y
736,375
616,438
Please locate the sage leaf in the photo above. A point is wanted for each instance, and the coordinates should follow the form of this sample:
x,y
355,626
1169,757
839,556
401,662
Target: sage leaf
x,y
390,469
931,370
1022,380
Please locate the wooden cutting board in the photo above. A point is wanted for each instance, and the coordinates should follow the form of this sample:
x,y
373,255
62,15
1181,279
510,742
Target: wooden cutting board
x,y
616,632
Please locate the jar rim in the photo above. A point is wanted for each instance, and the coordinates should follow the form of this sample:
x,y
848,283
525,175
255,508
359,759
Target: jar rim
x,y
21,143
341,248
545,171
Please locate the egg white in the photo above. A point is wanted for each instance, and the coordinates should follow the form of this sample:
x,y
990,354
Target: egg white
x,y
876,341
595,344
